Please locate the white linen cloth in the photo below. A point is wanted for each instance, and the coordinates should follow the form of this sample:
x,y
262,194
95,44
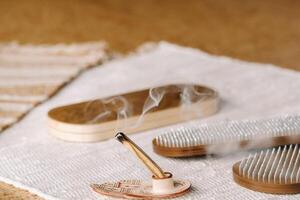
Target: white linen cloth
x,y
34,160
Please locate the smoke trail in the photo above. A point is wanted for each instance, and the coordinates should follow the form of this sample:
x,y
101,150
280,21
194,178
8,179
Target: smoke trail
x,y
155,97
118,106
267,133
122,109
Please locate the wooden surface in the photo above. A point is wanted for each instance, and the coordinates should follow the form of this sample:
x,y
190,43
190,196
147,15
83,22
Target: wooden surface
x,y
261,31
9,192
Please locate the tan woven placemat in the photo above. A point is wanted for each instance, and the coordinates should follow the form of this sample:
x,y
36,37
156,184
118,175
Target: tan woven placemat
x,y
31,74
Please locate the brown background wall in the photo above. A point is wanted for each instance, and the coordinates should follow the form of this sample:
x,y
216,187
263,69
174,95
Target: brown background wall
x,y
255,30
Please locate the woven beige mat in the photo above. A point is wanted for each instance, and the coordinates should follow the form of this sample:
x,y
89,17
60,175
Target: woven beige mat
x,y
29,74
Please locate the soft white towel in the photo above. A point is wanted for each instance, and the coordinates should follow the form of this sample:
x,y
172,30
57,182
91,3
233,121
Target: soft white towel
x,y
32,159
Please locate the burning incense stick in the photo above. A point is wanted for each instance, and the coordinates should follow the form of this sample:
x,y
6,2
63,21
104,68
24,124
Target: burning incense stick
x,y
149,163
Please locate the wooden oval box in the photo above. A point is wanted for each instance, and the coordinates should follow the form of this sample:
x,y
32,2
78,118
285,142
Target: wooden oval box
x,y
100,119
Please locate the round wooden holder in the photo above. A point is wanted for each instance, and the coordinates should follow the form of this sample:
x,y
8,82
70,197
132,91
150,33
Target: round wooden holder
x,y
81,122
273,188
137,189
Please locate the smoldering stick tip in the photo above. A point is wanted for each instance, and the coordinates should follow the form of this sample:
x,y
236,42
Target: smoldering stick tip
x,y
121,137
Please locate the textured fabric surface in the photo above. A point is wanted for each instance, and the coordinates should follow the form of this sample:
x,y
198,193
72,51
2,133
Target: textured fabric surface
x,y
32,159
29,74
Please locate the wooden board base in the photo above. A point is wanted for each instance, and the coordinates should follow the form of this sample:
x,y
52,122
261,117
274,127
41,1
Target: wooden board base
x,y
263,187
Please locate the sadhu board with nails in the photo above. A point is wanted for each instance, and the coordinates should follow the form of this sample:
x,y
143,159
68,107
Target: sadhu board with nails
x,y
98,119
227,136
275,171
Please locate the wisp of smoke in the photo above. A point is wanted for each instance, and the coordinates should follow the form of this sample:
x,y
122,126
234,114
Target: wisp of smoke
x,y
122,107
